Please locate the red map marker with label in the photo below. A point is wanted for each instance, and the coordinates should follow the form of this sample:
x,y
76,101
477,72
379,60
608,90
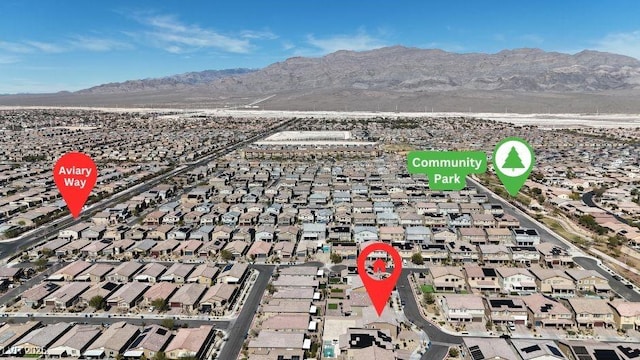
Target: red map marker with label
x,y
379,290
75,175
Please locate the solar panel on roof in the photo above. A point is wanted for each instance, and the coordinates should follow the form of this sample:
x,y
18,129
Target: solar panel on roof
x,y
476,353
605,354
531,348
580,350
629,352
555,351
229,266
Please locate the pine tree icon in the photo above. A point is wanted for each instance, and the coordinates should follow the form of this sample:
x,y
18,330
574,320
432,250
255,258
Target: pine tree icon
x,y
513,160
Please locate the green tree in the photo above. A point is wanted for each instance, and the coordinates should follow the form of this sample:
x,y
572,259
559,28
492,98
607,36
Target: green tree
x,y
428,298
168,323
454,352
46,252
417,259
41,263
335,258
513,160
97,302
226,255
160,304
160,356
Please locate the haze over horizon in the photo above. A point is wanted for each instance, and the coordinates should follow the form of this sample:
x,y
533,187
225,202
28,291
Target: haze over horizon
x,y
103,42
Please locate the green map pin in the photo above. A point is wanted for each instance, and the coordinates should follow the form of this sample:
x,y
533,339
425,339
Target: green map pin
x,y
513,161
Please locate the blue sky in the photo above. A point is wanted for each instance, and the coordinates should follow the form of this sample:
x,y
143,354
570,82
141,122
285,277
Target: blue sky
x,y
69,44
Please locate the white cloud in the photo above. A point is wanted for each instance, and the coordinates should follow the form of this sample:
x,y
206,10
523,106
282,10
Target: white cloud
x,y
14,47
174,36
621,43
46,47
8,59
258,35
357,42
97,44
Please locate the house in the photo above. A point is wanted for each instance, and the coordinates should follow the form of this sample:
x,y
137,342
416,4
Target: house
x,y
499,236
151,272
358,343
554,282
178,273
546,312
66,296
34,297
482,279
362,234
418,235
74,232
516,280
11,333
287,323
507,310
153,339
188,248
444,236
190,342
592,312
219,297
237,248
447,278
314,232
483,220
234,273
124,272
204,274
160,233
259,251
473,235
488,348
526,237
113,341
554,255
537,349
590,281
38,341
494,254
525,255
187,297
460,220
463,308
164,248
284,249
391,234
463,252
128,296
140,248
74,342
161,290
276,340
434,253
102,289
95,273
288,233
626,314
69,272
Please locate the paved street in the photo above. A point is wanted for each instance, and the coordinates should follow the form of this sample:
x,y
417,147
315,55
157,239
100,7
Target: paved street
x,y
617,286
7,248
440,340
545,235
239,328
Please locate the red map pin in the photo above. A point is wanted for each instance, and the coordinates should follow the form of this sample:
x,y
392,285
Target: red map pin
x,y
75,175
379,290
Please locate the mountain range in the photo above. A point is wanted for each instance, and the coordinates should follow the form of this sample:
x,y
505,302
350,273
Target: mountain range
x,y
412,79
